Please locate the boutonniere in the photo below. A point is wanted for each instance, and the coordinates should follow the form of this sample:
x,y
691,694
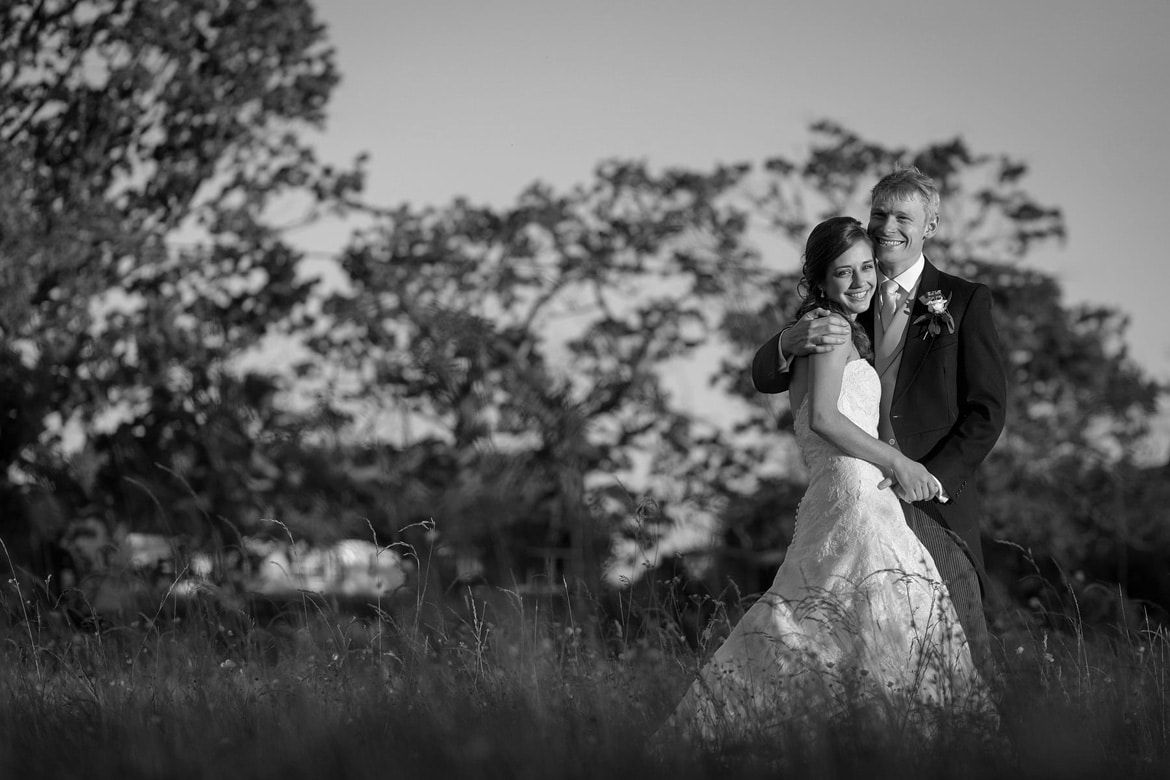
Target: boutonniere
x,y
936,316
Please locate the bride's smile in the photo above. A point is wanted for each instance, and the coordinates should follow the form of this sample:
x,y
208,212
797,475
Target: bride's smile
x,y
852,278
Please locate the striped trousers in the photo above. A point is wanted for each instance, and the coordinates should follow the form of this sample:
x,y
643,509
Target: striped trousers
x,y
962,581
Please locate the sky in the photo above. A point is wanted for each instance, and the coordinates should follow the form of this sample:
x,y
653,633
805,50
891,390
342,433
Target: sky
x,y
479,99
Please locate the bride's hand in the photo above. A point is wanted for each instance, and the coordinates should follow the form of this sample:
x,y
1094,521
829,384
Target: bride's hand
x,y
912,482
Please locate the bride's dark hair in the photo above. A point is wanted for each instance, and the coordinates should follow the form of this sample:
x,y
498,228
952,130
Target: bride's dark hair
x,y
828,241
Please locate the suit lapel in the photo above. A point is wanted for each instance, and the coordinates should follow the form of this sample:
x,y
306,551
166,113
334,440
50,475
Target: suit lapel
x,y
914,346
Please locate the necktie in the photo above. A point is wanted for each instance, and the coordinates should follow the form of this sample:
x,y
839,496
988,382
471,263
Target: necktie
x,y
890,295
886,350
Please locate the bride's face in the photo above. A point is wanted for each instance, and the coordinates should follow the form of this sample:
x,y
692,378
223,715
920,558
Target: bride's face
x,y
852,278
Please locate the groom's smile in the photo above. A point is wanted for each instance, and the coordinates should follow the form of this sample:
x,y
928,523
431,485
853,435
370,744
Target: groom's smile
x,y
899,226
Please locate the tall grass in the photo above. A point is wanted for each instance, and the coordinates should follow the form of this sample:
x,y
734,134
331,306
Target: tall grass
x,y
496,684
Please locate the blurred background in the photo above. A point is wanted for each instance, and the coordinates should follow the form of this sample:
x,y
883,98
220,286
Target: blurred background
x,y
484,281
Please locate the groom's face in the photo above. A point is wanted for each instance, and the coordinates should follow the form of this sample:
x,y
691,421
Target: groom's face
x,y
898,227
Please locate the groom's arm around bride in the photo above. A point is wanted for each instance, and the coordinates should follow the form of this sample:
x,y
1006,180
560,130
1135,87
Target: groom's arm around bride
x,y
944,389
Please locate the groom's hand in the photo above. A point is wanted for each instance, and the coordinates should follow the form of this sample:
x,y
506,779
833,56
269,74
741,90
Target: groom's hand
x,y
817,331
917,484
903,495
909,497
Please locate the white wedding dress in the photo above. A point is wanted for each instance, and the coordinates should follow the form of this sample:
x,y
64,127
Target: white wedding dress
x,y
857,619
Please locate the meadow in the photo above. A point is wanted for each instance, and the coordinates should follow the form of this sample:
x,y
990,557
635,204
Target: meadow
x,y
492,684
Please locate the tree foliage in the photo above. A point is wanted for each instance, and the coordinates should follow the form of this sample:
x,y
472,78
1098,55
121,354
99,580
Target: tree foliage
x,y
530,342
530,377
538,345
144,144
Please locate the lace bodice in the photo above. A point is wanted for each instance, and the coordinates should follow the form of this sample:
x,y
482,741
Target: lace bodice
x,y
840,486
861,393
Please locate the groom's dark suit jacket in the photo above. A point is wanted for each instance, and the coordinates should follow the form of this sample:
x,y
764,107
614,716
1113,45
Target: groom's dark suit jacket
x,y
949,397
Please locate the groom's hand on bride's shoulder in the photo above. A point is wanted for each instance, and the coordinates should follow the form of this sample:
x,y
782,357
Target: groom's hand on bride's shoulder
x,y
816,331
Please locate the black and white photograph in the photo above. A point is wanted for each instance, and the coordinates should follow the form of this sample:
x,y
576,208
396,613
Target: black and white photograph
x,y
525,390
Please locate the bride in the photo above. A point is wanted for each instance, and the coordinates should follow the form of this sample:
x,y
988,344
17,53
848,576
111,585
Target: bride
x,y
857,619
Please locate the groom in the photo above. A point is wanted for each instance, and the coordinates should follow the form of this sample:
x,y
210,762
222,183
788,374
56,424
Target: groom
x,y
943,385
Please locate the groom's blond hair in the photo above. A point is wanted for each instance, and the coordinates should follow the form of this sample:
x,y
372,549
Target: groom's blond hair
x,y
905,183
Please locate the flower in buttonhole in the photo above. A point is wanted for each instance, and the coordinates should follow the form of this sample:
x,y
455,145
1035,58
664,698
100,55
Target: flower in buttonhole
x,y
937,317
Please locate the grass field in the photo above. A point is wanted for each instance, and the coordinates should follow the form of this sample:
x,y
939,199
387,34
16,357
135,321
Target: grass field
x,y
500,687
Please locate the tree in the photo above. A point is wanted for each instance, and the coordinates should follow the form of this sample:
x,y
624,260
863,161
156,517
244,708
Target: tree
x,y
143,144
522,357
530,342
